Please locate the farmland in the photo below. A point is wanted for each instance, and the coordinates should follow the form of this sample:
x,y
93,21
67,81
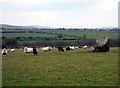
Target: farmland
x,y
56,37
52,33
89,34
74,68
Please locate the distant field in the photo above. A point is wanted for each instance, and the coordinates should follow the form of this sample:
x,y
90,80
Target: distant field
x,y
14,35
74,68
90,35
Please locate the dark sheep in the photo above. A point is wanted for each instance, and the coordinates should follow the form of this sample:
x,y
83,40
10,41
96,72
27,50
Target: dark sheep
x,y
35,51
68,48
60,49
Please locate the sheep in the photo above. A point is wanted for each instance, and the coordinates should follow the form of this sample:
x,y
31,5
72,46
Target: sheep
x,y
28,50
72,47
84,47
20,49
50,48
45,49
60,49
35,51
92,48
68,48
12,50
4,51
54,48
76,47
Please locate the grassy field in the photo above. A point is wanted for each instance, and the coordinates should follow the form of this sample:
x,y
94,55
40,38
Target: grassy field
x,y
74,68
14,35
90,35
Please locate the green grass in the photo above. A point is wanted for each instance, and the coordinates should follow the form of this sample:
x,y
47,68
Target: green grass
x,y
74,68
14,35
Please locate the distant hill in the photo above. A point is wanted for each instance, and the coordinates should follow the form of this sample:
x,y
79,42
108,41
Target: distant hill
x,y
39,27
6,26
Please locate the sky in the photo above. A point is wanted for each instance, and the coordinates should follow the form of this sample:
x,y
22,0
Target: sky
x,y
60,13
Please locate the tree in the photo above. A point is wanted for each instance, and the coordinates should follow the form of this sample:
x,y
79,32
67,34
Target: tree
x,y
84,36
11,42
18,38
60,36
3,37
8,42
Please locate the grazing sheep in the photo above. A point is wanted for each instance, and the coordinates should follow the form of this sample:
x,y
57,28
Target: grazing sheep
x,y
20,49
84,47
92,48
60,49
45,49
28,50
68,48
53,47
4,51
76,47
72,47
35,51
50,48
12,50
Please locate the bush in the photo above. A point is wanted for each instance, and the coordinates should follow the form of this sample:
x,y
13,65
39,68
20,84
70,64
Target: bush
x,y
6,42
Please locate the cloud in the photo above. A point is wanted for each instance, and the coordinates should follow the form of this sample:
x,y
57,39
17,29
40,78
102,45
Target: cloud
x,y
43,6
60,13
107,5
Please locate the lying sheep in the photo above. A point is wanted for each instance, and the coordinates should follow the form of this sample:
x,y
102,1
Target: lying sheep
x,y
4,51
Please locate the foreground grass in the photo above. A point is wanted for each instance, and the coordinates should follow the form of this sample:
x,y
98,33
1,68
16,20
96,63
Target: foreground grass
x,y
74,68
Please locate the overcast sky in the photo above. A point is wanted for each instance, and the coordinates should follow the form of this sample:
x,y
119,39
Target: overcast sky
x,y
60,13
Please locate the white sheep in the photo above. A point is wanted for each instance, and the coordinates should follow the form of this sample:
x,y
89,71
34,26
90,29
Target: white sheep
x,y
20,49
12,50
45,49
28,50
92,48
84,47
76,47
4,51
72,47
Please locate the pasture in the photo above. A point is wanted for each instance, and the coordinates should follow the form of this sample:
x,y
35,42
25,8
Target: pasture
x,y
89,34
65,33
70,68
